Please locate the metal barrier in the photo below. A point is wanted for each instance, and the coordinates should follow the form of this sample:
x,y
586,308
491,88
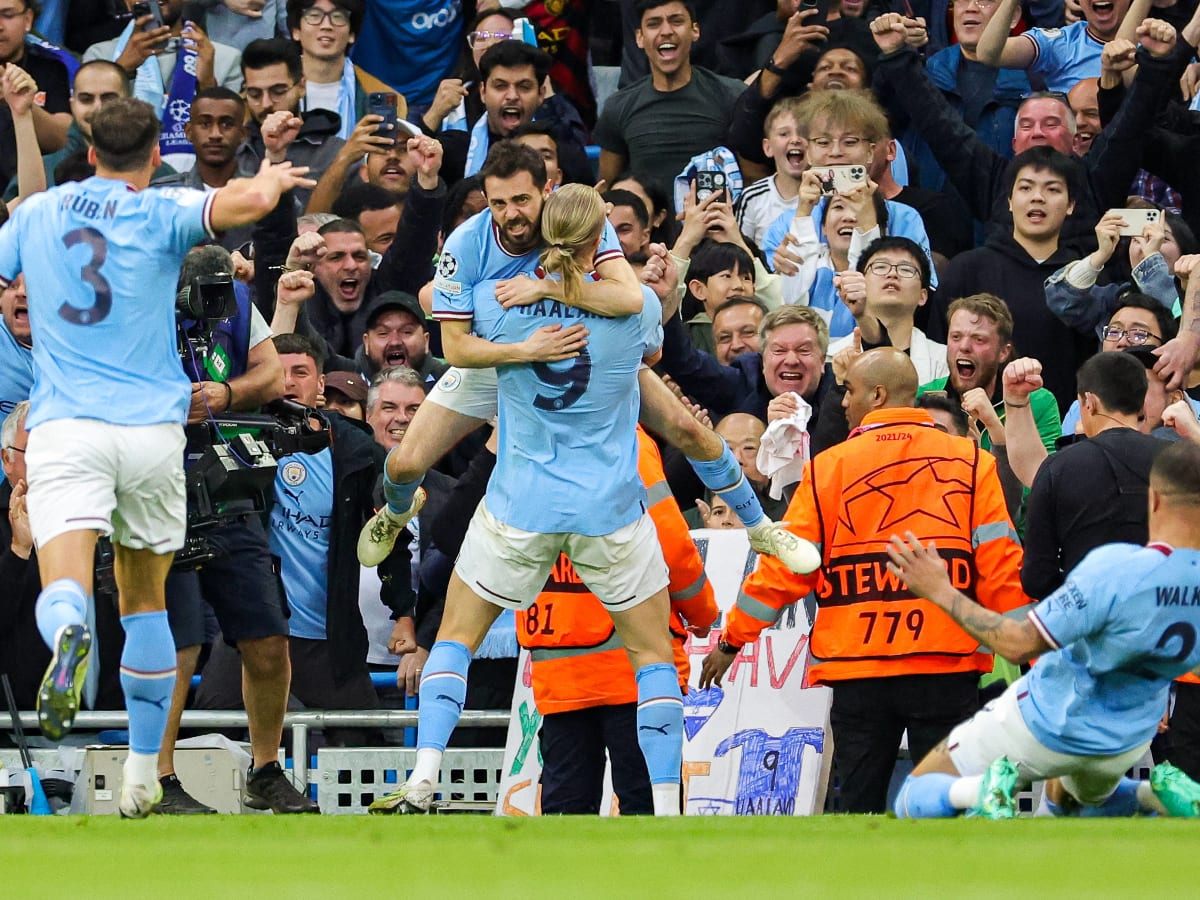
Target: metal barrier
x,y
349,779
299,723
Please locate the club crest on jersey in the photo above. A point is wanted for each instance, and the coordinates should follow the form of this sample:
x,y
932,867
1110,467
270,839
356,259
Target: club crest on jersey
x,y
451,381
293,473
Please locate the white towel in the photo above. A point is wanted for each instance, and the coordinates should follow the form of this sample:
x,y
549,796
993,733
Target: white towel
x,y
785,448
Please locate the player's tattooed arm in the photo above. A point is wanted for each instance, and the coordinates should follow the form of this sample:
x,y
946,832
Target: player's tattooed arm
x,y
925,574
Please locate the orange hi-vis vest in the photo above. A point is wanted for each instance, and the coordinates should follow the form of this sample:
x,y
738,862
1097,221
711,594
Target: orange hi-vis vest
x,y
578,659
896,473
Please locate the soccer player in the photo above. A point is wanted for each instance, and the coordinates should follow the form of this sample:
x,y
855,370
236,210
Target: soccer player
x,y
101,259
1110,641
502,243
566,438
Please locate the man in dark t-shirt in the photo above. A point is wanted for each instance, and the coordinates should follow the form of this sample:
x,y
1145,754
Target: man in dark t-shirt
x,y
51,111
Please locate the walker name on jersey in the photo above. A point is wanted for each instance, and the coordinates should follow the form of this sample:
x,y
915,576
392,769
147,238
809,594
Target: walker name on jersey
x,y
85,206
1177,595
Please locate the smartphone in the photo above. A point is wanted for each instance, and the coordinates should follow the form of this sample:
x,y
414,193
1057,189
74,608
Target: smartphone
x,y
841,179
151,8
708,182
1136,220
383,103
822,8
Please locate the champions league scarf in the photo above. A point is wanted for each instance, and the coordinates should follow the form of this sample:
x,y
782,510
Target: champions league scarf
x,y
174,109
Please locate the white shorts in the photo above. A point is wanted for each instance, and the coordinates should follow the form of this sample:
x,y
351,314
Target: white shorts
x,y
999,729
509,567
469,392
123,480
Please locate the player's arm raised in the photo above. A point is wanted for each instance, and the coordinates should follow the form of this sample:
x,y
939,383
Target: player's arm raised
x,y
617,293
549,343
925,574
246,200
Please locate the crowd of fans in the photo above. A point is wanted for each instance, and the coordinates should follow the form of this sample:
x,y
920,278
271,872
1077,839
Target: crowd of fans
x,y
1000,190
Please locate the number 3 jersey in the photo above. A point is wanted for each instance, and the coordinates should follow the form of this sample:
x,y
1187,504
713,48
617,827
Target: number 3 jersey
x,y
1124,624
101,263
896,473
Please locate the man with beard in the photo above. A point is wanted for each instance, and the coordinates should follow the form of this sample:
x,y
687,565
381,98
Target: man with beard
x,y
513,79
274,81
631,221
978,345
396,336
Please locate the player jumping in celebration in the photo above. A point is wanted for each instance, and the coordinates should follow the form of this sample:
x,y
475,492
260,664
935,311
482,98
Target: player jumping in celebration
x,y
501,243
1110,641
101,259
566,481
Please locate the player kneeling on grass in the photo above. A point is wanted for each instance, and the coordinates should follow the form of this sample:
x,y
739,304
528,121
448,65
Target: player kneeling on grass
x,y
1110,642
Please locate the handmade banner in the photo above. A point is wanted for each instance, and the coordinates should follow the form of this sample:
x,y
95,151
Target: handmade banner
x,y
759,745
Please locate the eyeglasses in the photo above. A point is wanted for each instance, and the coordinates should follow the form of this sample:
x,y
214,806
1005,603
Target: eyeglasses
x,y
982,4
881,268
846,141
1046,95
16,449
9,15
275,91
476,36
1136,336
338,18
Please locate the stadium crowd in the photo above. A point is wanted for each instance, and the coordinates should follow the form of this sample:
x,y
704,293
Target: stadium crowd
x,y
869,225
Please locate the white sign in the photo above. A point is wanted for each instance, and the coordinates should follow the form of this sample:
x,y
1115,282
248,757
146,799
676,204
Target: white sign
x,y
759,745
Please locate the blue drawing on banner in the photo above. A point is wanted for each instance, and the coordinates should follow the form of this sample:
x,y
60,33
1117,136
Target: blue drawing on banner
x,y
769,773
698,708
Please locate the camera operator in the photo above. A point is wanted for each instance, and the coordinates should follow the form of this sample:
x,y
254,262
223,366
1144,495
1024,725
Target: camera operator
x,y
238,370
320,502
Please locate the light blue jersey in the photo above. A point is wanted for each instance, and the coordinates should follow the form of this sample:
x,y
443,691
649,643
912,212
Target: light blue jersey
x,y
101,262
1125,624
1065,56
568,450
300,538
473,255
16,372
903,221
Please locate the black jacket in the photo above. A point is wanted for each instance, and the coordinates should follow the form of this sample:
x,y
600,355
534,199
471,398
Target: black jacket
x,y
1087,494
978,172
737,387
357,464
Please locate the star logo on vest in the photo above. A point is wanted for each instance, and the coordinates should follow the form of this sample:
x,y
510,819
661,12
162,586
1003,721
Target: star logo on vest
x,y
905,493
293,473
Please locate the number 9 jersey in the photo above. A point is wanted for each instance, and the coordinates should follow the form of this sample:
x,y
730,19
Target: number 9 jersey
x,y
101,263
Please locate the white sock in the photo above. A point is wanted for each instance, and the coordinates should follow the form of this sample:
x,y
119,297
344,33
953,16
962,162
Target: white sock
x,y
141,768
429,762
1043,807
1147,801
666,799
964,793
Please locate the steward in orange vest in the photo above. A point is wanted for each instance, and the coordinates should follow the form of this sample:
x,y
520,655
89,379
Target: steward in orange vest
x,y
895,661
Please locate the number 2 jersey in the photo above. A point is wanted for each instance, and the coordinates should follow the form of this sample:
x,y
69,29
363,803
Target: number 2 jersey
x,y
896,473
1124,624
101,263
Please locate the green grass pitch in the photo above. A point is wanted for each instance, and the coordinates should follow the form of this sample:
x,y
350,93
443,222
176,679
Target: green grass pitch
x,y
478,856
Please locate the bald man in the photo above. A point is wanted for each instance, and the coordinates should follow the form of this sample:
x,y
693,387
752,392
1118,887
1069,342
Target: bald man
x,y
743,433
893,659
